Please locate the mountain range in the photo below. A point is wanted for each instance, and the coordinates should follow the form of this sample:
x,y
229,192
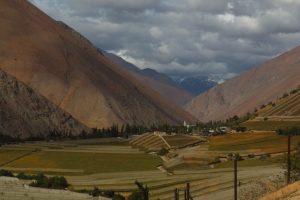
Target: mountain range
x,y
159,82
197,84
69,78
63,66
250,90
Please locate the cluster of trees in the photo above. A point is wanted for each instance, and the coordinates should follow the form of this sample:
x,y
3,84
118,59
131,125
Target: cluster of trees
x,y
6,173
39,180
56,182
232,122
7,139
109,194
141,194
128,130
113,131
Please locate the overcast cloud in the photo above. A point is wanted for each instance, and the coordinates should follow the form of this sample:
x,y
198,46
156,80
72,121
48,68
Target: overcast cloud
x,y
185,37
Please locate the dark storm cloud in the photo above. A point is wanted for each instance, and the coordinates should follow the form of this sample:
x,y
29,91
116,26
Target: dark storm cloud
x,y
185,37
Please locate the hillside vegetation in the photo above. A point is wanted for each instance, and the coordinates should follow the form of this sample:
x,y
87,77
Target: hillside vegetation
x,y
284,112
288,106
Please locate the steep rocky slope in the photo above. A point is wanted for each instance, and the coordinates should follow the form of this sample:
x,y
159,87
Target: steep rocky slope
x,y
67,69
250,90
25,113
159,82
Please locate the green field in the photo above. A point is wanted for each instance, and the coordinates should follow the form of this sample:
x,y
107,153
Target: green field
x,y
180,140
10,155
88,162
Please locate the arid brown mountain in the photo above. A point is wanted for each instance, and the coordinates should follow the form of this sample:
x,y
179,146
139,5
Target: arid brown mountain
x,y
159,82
67,69
250,90
25,113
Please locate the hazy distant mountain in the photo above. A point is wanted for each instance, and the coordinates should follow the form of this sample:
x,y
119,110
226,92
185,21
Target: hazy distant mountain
x,y
198,84
66,68
159,82
25,113
250,90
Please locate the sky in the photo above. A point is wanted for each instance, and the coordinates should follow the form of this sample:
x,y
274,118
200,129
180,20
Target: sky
x,y
185,37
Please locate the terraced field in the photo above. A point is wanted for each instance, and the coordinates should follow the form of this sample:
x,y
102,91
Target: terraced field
x,y
284,112
149,142
156,141
288,106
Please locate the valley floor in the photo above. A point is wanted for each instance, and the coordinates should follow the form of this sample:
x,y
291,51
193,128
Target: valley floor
x,y
115,165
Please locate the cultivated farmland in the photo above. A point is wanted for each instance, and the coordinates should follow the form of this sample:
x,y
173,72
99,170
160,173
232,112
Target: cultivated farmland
x,y
112,164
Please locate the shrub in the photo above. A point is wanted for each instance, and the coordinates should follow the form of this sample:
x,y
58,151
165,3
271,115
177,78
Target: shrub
x,y
163,151
262,106
56,182
109,194
135,196
24,176
96,192
264,157
6,173
285,95
241,129
230,156
251,155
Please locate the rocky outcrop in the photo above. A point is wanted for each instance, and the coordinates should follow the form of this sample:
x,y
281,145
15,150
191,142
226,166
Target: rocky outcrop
x,y
25,113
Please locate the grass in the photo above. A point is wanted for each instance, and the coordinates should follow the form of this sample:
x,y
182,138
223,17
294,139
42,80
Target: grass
x,y
269,125
9,155
89,162
268,142
180,140
99,141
